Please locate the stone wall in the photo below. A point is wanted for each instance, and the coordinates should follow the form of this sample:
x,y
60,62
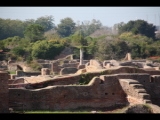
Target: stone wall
x,y
68,70
75,78
20,73
55,67
99,93
45,71
15,81
70,65
155,89
12,67
94,65
106,90
4,107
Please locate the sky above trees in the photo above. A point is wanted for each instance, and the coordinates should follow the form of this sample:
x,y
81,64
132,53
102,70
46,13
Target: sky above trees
x,y
107,15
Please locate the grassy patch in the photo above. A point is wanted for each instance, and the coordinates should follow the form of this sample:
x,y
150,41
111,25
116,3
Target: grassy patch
x,y
12,72
82,110
57,112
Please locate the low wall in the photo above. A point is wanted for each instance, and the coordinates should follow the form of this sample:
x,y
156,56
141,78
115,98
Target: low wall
x,y
103,91
99,93
15,81
4,92
68,70
20,73
155,89
76,78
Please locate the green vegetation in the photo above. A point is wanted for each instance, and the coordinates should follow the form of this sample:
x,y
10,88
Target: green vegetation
x,y
57,112
139,108
136,108
40,39
139,27
66,27
34,32
45,50
35,65
12,72
85,79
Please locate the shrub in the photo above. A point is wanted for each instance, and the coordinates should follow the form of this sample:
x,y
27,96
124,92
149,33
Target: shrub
x,y
139,108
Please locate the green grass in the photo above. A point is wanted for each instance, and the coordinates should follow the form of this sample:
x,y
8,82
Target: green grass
x,y
80,111
57,112
12,72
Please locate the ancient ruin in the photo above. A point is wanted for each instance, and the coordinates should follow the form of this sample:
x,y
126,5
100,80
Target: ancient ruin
x,y
63,84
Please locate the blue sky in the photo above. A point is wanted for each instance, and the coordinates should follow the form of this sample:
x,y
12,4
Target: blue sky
x,y
107,15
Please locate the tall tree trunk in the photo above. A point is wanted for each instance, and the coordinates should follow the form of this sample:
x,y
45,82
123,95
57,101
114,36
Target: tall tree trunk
x,y
81,56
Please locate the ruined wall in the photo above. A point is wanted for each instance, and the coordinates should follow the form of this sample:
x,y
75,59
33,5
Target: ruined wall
x,y
61,80
46,65
155,89
4,108
15,81
99,93
70,65
12,67
55,67
73,79
45,71
103,91
20,73
94,65
68,70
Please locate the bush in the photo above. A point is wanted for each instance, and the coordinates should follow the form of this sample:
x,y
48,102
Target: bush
x,y
35,65
139,108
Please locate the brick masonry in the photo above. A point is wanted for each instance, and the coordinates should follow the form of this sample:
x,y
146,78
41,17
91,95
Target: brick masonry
x,y
4,107
104,91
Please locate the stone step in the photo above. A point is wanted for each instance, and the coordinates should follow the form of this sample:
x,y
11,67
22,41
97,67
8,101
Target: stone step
x,y
130,81
147,101
137,86
144,95
140,90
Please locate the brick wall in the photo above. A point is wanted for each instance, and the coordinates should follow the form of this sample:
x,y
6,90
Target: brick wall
x,y
99,93
73,79
4,108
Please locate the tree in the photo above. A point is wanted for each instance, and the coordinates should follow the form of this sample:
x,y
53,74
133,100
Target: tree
x,y
46,22
66,27
1,45
139,27
46,50
34,32
11,28
19,51
80,42
89,27
116,27
121,47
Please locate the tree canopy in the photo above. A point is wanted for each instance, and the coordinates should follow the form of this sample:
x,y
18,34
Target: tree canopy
x,y
34,32
89,27
66,27
46,50
46,22
139,27
11,28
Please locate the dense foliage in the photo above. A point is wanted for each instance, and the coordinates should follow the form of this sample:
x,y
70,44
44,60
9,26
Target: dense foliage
x,y
139,27
46,50
41,39
66,27
11,28
34,32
